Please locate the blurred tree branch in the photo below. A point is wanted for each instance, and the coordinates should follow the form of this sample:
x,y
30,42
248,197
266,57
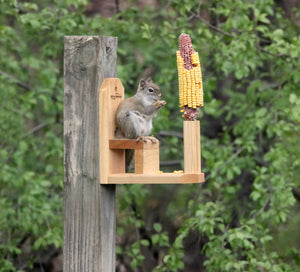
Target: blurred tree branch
x,y
18,82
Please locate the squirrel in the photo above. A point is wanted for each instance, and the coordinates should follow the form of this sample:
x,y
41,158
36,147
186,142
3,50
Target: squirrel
x,y
135,114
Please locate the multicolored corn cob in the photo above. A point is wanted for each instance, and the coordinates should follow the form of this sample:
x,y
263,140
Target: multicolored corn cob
x,y
190,78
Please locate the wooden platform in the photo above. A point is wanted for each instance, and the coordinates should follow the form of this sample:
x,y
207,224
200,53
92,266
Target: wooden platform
x,y
164,178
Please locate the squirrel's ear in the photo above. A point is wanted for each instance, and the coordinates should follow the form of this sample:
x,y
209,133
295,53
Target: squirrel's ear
x,y
149,80
142,84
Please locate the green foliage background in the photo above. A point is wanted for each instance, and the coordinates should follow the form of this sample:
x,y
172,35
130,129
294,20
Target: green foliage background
x,y
244,218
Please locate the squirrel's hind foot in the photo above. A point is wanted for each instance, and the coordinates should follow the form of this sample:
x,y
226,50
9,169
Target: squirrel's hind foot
x,y
145,139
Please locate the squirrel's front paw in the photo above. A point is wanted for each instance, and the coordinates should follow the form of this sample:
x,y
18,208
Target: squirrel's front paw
x,y
160,103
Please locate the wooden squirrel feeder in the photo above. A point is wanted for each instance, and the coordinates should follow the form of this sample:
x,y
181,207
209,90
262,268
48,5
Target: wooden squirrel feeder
x,y
112,151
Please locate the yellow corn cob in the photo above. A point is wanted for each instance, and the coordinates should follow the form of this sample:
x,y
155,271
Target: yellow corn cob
x,y
190,82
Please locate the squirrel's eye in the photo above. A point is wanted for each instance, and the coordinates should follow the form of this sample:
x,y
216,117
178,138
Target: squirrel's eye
x,y
150,90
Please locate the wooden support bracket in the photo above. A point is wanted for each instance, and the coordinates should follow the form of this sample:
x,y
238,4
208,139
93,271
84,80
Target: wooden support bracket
x,y
146,154
112,151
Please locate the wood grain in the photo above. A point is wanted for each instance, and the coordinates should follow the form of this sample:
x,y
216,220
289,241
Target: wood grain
x,y
89,208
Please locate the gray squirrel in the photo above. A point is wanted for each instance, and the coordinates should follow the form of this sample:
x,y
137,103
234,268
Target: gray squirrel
x,y
135,114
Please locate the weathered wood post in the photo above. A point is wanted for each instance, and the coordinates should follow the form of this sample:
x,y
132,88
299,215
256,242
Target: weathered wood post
x,y
89,208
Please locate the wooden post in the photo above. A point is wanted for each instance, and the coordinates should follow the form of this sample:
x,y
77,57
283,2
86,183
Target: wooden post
x,y
147,160
192,148
89,207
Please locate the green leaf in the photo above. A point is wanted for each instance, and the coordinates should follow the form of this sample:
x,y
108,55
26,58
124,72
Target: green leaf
x,y
293,98
145,242
157,227
278,32
263,18
261,112
155,239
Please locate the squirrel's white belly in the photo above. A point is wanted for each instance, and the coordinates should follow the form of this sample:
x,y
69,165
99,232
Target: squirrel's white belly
x,y
148,127
143,125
